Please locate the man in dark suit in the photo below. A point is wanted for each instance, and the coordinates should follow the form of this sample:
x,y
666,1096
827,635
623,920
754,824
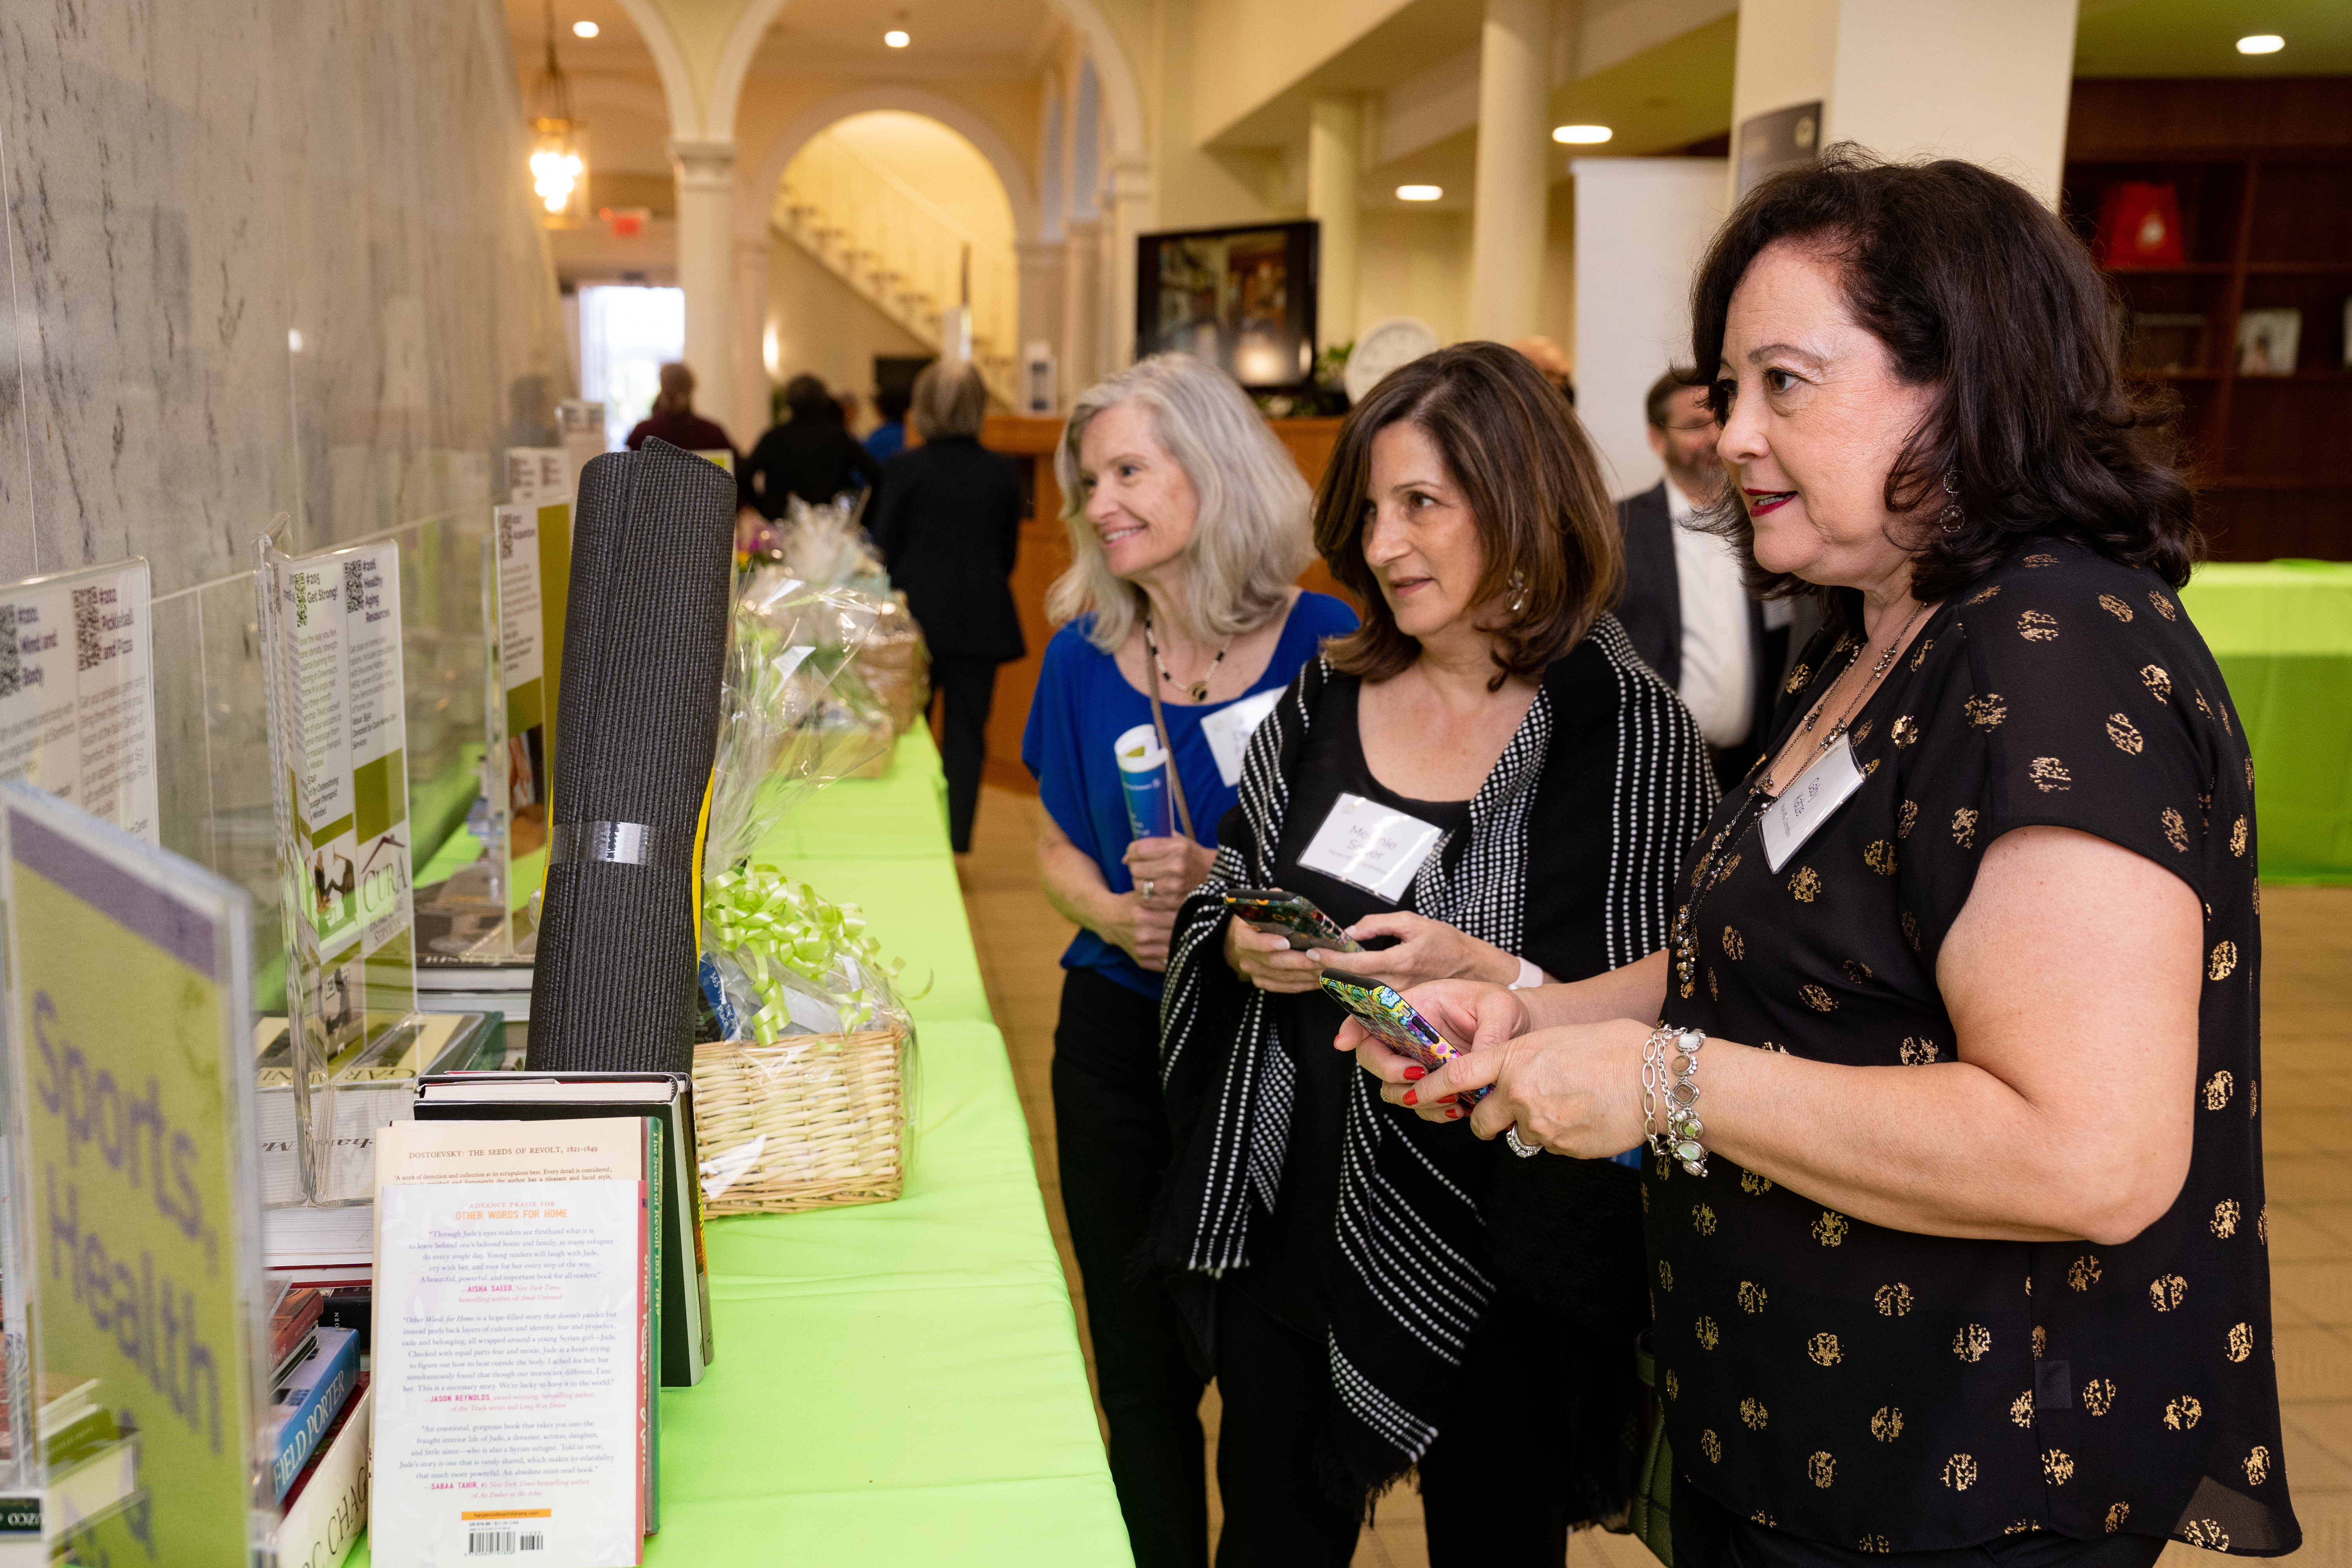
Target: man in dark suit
x,y
1684,607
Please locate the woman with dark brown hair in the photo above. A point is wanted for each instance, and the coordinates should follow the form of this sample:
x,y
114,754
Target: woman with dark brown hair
x,y
1957,1221
1518,789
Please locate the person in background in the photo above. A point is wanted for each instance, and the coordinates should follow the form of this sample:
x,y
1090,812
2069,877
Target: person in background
x,y
1187,522
810,455
1548,359
1371,1292
1685,606
1960,1252
673,419
947,527
888,438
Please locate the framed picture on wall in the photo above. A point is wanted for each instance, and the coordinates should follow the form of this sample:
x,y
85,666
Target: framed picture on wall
x,y
1242,299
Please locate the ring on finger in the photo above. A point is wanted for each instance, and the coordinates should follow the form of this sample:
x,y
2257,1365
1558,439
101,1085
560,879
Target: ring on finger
x,y
1520,1146
1149,883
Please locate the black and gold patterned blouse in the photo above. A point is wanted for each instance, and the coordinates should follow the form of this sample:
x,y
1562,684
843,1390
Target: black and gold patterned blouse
x,y
1874,1388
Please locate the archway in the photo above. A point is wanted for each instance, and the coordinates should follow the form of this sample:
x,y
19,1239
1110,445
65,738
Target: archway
x,y
882,222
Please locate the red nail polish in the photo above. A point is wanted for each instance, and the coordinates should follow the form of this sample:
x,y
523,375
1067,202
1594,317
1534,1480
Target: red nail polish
x,y
1455,1114
1413,1074
1410,1099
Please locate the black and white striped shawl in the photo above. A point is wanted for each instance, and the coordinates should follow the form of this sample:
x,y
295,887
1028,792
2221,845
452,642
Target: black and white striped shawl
x,y
1415,1278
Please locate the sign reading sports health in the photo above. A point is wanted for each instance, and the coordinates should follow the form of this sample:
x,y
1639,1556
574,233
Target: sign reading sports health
x,y
134,1265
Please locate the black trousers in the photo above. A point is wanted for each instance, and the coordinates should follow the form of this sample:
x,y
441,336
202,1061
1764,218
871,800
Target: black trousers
x,y
1495,1487
1113,1147
964,689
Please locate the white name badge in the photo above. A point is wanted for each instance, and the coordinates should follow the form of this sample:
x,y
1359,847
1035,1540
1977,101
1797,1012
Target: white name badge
x,y
1368,846
1229,730
1809,800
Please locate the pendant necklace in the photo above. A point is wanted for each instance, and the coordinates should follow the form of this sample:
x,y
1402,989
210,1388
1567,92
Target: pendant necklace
x,y
1198,691
1682,940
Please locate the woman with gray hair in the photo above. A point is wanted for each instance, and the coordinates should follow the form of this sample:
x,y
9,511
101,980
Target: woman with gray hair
x,y
1187,522
949,528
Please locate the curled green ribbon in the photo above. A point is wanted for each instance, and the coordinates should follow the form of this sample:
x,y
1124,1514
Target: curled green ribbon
x,y
781,930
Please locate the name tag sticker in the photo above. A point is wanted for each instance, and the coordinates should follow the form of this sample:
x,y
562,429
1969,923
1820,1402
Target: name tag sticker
x,y
1809,800
1229,729
1368,846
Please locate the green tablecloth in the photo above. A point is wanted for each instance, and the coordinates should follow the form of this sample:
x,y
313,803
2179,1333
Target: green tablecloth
x,y
901,1383
2282,631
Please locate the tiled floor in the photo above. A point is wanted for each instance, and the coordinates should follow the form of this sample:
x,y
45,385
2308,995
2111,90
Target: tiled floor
x,y
2308,1041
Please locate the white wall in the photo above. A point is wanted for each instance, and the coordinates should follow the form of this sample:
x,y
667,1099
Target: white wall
x,y
1640,226
827,329
1988,81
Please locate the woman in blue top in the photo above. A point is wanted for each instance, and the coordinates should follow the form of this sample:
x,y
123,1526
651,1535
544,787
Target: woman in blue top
x,y
1187,522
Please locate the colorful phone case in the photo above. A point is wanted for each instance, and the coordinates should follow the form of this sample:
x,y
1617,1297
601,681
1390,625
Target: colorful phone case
x,y
1271,909
1394,1019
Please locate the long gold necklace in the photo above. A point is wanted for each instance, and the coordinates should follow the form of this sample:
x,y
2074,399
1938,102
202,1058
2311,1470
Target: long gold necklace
x,y
1713,865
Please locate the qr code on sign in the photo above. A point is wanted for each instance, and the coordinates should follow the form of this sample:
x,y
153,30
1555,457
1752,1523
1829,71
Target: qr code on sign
x,y
505,537
355,589
85,612
12,669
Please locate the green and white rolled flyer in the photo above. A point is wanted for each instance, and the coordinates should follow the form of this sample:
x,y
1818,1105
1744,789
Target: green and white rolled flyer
x,y
133,1247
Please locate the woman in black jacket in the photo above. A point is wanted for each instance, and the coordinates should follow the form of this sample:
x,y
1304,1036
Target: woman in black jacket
x,y
949,527
810,455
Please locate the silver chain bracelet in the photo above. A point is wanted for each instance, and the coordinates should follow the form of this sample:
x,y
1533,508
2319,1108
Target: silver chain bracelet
x,y
1670,1068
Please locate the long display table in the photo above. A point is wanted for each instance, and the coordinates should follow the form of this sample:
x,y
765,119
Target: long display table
x,y
2282,631
900,1383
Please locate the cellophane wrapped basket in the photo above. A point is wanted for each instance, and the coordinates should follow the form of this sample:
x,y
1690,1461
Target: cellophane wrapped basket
x,y
802,1096
897,665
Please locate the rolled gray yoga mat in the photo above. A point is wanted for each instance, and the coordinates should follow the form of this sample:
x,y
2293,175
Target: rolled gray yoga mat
x,y
644,649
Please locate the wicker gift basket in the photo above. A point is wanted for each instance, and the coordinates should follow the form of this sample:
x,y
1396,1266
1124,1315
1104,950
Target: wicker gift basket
x,y
803,1079
808,1121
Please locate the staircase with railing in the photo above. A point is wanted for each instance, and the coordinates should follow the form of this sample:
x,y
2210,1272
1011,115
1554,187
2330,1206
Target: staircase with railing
x,y
901,252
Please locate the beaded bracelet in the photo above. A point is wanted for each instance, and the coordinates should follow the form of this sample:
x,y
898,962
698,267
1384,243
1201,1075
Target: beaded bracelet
x,y
1670,1065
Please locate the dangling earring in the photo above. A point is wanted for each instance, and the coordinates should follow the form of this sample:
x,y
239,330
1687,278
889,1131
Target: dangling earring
x,y
1519,592
1953,514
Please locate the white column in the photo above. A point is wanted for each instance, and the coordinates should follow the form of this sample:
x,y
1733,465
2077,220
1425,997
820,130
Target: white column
x,y
746,416
1334,164
1507,229
706,268
1129,200
1996,93
1642,224
1041,304
1082,309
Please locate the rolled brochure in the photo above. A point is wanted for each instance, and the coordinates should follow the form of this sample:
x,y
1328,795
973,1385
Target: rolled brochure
x,y
1143,777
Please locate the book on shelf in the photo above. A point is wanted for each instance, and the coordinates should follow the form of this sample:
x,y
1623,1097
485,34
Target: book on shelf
x,y
320,1247
524,1259
686,1336
292,1318
325,1510
311,1393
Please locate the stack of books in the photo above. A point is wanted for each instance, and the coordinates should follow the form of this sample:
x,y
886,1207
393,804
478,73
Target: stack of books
x,y
91,1462
319,1415
471,956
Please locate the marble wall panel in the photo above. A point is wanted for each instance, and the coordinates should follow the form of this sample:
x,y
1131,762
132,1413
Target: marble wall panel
x,y
267,257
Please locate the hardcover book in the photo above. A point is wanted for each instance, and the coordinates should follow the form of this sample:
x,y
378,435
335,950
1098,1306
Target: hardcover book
x,y
687,1338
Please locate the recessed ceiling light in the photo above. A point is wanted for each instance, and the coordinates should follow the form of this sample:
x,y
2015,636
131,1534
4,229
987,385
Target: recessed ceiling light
x,y
2260,44
897,38
1420,192
585,29
1582,135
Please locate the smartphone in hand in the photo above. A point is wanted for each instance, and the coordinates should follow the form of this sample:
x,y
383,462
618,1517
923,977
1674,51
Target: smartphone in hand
x,y
1291,915
1396,1021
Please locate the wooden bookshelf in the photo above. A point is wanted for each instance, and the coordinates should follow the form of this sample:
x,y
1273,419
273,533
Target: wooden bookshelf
x,y
2263,172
